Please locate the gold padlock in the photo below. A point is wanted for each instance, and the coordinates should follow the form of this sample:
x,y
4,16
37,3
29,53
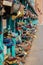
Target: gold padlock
x,y
13,17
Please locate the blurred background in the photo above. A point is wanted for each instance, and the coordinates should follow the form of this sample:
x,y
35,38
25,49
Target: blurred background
x,y
39,9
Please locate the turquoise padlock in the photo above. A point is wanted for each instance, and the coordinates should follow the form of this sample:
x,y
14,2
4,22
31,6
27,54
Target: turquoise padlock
x,y
35,21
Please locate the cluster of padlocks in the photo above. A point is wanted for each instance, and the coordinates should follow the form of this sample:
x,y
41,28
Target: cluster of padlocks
x,y
21,27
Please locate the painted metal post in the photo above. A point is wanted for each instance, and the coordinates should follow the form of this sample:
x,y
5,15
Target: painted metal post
x,y
8,22
1,43
12,25
8,51
7,27
13,50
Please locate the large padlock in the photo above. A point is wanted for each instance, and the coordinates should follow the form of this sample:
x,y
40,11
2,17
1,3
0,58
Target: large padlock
x,y
7,3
